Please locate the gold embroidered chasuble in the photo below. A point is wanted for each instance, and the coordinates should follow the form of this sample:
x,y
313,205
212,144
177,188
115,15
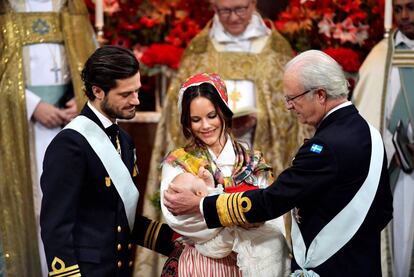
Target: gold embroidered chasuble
x,y
72,28
277,135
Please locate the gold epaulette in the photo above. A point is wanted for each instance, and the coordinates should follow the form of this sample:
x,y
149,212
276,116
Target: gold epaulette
x,y
59,269
231,208
403,58
151,235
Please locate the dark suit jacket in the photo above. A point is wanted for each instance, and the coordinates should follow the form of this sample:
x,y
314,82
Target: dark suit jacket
x,y
320,186
83,221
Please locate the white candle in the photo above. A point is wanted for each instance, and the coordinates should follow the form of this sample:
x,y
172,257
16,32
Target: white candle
x,y
388,15
99,16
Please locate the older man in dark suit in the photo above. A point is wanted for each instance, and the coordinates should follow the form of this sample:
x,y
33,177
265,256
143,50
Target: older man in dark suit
x,y
337,184
89,201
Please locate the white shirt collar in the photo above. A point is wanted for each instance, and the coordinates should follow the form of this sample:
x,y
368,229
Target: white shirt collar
x,y
256,28
106,122
400,37
227,155
37,5
340,106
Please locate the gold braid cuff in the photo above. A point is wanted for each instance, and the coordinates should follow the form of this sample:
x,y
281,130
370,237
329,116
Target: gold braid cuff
x,y
151,235
60,270
231,208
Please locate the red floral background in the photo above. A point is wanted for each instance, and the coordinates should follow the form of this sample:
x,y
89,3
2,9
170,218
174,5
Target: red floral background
x,y
345,29
159,30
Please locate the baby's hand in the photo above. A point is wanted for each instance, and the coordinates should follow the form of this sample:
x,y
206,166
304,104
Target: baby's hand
x,y
206,176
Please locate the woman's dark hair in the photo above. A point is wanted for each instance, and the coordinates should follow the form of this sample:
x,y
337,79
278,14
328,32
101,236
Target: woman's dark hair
x,y
208,91
105,66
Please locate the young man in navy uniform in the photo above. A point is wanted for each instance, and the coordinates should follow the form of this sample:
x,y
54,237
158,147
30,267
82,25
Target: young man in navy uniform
x,y
88,220
337,185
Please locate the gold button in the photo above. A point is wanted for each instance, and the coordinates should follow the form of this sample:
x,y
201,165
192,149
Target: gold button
x,y
129,246
130,263
119,247
119,229
119,264
7,255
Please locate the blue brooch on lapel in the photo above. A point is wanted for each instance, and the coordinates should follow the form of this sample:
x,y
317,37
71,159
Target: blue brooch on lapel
x,y
316,148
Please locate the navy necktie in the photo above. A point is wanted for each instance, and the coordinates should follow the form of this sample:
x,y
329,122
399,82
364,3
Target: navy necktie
x,y
113,132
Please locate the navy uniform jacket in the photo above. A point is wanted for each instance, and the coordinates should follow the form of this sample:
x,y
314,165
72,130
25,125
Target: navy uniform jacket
x,y
83,221
320,186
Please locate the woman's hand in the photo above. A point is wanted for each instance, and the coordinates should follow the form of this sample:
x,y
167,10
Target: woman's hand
x,y
181,201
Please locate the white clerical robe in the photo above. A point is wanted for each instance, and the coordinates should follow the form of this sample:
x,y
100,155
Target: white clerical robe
x,y
368,98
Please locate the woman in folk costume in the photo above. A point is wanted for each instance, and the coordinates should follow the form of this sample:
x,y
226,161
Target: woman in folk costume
x,y
44,44
250,57
206,121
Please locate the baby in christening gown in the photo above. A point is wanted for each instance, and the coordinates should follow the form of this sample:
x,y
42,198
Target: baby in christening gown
x,y
261,250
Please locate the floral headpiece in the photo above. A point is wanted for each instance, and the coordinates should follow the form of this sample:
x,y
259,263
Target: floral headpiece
x,y
198,79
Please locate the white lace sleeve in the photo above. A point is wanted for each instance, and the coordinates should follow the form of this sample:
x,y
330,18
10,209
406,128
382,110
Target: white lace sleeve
x,y
262,251
218,247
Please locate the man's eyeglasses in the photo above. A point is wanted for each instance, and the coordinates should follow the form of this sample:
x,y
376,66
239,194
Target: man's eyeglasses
x,y
239,11
290,99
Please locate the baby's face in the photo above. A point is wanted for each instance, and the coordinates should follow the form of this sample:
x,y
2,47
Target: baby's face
x,y
199,187
191,182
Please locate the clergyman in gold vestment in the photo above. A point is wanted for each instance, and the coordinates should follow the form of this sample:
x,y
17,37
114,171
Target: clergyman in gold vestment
x,y
239,47
23,24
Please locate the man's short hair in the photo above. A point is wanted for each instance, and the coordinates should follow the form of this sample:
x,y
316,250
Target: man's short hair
x,y
106,65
